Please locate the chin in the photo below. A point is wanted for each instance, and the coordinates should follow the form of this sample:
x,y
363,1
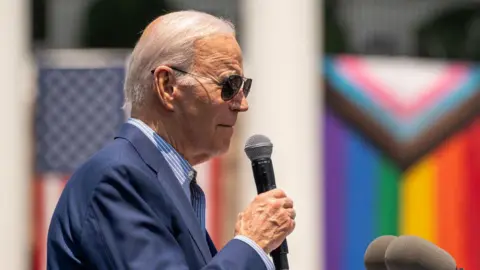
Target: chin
x,y
221,146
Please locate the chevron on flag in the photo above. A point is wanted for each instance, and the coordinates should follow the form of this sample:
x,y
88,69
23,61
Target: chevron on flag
x,y
78,110
405,105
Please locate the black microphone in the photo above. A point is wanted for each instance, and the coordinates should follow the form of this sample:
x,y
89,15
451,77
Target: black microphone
x,y
259,150
374,258
415,253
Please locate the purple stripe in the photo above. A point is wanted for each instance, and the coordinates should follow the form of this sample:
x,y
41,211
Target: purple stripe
x,y
334,191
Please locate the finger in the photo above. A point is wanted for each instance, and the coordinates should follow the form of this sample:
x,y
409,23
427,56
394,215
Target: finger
x,y
292,213
287,203
276,204
273,193
292,226
277,193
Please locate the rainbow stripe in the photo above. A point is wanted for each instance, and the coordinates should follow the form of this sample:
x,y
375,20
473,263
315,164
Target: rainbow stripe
x,y
368,196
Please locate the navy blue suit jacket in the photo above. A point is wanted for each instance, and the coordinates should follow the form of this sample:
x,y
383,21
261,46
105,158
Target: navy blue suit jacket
x,y
124,209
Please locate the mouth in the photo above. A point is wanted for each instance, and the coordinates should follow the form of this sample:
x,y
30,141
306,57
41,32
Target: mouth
x,y
227,126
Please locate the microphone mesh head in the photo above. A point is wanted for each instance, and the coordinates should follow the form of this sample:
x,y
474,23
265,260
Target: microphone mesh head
x,y
374,258
412,252
258,146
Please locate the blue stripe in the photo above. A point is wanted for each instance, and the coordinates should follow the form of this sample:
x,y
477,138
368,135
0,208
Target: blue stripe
x,y
357,97
360,199
465,92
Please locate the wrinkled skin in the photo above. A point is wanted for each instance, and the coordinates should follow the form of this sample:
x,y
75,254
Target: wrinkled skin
x,y
199,125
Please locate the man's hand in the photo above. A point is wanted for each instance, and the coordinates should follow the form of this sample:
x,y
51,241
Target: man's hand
x,y
268,220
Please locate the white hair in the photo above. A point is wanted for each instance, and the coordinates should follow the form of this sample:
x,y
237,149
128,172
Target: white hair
x,y
170,42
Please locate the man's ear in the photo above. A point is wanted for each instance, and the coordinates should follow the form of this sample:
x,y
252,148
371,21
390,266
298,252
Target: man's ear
x,y
164,86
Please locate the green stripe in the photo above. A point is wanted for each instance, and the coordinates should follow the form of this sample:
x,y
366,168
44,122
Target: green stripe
x,y
388,198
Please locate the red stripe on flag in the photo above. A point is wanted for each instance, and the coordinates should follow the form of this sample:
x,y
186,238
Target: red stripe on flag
x,y
64,181
39,247
47,190
215,202
472,219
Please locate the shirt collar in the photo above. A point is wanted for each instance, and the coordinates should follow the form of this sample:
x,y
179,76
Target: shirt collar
x,y
179,165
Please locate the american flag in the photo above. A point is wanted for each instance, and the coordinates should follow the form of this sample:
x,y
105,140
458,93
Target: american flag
x,y
77,112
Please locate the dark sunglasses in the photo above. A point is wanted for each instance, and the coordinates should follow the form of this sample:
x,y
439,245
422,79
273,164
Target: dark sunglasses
x,y
230,85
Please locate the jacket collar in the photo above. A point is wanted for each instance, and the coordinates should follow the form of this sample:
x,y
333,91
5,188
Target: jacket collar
x,y
155,160
145,148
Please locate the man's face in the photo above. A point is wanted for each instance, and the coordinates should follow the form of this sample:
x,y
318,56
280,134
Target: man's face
x,y
206,119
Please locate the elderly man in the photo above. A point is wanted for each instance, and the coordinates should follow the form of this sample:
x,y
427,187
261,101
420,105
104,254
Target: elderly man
x,y
136,204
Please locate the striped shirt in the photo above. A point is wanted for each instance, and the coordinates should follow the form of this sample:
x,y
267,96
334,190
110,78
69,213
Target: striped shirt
x,y
182,170
185,174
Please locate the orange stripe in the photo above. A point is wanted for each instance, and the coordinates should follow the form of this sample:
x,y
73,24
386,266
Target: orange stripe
x,y
472,219
450,159
215,202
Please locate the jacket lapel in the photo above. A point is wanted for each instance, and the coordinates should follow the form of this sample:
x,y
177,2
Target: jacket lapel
x,y
211,245
172,187
155,160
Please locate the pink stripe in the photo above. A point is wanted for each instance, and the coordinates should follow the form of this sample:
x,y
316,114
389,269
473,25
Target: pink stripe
x,y
452,76
449,82
349,65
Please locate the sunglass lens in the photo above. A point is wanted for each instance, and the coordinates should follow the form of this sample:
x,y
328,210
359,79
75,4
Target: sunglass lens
x,y
236,81
246,87
231,87
227,92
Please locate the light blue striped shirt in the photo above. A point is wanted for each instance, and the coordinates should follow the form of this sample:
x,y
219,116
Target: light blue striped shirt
x,y
185,173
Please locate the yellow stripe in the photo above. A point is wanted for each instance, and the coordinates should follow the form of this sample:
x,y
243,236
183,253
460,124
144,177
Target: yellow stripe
x,y
418,200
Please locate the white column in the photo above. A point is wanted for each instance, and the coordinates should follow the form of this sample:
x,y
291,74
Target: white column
x,y
15,162
65,22
281,43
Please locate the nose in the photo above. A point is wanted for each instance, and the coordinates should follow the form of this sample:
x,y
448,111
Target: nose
x,y
239,103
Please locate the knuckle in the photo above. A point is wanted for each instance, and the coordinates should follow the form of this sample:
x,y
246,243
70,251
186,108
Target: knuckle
x,y
288,203
276,204
259,197
271,201
277,193
280,192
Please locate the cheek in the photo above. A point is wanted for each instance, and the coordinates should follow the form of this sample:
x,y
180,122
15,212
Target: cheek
x,y
204,121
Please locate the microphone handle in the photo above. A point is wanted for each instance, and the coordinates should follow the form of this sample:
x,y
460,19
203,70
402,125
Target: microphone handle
x,y
279,256
265,181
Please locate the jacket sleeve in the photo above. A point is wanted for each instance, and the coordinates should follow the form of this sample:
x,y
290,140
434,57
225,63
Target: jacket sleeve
x,y
121,231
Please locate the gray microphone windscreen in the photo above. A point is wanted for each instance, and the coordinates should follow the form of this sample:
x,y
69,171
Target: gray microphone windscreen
x,y
258,146
415,253
374,258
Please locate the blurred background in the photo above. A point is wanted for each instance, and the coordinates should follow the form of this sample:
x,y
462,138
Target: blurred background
x,y
373,107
